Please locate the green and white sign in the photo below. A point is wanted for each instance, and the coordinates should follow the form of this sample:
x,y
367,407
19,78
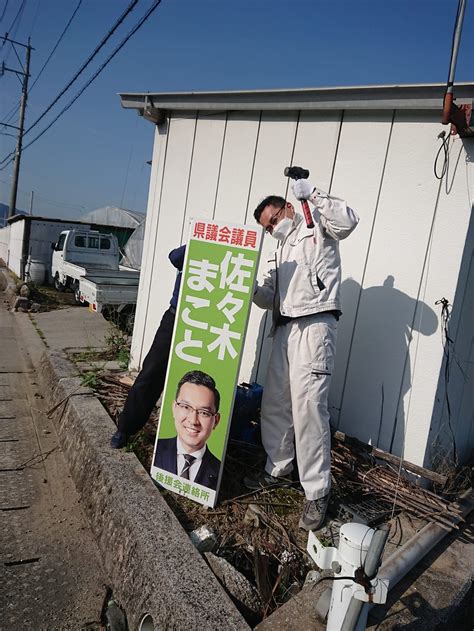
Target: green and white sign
x,y
211,321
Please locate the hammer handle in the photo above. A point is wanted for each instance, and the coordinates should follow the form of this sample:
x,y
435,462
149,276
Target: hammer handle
x,y
307,214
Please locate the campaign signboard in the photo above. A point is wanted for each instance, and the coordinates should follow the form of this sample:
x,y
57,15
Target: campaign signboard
x,y
217,286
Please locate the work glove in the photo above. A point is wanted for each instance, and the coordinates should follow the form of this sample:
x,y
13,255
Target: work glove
x,y
302,189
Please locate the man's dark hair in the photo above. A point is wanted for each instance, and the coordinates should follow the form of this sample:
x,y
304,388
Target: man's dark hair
x,y
271,200
200,378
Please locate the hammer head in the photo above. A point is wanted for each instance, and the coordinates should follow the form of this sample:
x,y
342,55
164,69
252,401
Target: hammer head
x,y
296,173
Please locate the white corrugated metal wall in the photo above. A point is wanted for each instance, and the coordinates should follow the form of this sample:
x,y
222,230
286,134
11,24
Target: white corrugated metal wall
x,y
41,234
405,254
17,230
4,243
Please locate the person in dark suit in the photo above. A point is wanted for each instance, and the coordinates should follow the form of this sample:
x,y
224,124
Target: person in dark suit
x,y
149,384
196,415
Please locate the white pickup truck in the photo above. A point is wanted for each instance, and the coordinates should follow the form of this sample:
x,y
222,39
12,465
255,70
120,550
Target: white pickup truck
x,y
87,262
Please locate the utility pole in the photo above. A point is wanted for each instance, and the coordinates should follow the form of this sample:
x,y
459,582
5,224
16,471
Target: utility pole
x,y
21,127
31,202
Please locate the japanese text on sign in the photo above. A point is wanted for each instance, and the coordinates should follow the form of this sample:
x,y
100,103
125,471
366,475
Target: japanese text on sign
x,y
233,274
225,234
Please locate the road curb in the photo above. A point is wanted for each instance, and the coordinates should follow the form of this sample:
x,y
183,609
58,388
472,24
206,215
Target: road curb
x,y
150,561
10,289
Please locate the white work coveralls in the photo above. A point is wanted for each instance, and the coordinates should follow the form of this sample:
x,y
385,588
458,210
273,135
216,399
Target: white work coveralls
x,y
303,283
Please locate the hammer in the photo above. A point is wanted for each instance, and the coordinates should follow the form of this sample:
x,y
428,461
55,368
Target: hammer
x,y
298,173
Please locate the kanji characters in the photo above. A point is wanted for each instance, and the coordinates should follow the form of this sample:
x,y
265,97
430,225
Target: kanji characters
x,y
199,229
223,341
235,276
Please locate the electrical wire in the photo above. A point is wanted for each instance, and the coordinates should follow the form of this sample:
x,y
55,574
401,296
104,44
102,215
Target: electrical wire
x,y
7,160
13,28
4,10
18,15
97,49
66,28
15,108
445,147
132,146
20,10
19,60
132,32
447,341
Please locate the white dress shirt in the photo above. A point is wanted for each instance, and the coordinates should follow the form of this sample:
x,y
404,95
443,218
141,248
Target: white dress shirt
x,y
194,468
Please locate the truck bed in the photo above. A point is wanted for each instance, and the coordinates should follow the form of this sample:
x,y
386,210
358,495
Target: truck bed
x,y
109,287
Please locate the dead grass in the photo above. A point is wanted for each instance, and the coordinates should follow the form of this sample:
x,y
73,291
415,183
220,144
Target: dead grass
x,y
49,298
257,533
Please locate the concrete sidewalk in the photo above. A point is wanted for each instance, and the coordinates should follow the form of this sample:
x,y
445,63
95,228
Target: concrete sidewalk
x,y
51,575
71,327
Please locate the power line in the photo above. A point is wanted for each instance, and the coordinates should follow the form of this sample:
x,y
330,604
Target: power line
x,y
7,159
86,63
94,76
11,114
57,44
4,10
18,14
14,25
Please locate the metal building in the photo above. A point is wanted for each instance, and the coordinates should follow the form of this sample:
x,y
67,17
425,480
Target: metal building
x,y
217,154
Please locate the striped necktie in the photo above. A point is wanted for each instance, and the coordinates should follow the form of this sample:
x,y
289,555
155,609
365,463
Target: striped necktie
x,y
187,465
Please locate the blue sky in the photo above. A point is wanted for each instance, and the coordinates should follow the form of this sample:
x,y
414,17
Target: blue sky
x,y
95,155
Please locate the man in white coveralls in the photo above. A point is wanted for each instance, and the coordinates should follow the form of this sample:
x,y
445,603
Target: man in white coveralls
x,y
302,289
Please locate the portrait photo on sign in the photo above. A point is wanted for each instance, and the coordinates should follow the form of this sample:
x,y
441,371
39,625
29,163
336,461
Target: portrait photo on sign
x,y
195,411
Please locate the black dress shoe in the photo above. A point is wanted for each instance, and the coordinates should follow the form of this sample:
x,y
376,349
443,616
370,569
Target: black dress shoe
x,y
119,440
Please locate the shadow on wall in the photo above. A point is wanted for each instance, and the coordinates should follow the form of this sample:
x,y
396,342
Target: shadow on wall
x,y
372,360
452,430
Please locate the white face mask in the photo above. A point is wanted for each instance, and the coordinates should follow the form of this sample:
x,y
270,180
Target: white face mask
x,y
282,229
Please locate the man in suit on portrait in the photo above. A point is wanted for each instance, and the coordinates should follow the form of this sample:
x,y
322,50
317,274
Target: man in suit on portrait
x,y
196,414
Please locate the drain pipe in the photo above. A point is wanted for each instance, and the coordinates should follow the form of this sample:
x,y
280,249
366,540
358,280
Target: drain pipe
x,y
405,558
346,593
146,623
449,96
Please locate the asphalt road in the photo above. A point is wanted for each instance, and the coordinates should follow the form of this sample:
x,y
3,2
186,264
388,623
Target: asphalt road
x,y
50,572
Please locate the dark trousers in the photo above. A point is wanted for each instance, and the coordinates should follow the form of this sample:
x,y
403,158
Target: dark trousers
x,y
149,384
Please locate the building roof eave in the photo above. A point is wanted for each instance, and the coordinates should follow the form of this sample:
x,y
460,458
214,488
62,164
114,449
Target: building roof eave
x,y
154,105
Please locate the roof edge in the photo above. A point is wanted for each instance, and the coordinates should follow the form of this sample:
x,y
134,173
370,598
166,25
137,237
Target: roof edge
x,y
154,105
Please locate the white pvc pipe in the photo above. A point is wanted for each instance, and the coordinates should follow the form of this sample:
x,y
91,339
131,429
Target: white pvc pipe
x,y
146,623
405,558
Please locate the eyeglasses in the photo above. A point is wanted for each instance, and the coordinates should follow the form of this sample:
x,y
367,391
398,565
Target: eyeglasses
x,y
274,219
186,409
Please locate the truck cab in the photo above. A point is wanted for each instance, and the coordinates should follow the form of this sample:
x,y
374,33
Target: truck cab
x,y
79,251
